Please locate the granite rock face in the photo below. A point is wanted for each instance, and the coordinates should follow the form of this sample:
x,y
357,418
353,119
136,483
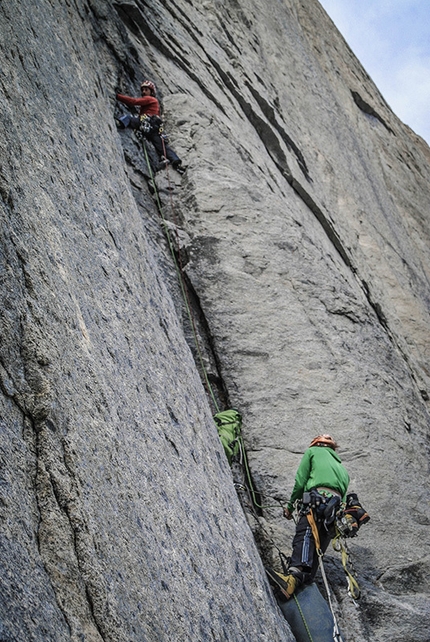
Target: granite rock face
x,y
302,237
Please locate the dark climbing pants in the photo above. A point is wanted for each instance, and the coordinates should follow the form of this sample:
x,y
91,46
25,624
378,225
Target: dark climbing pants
x,y
304,550
130,121
162,148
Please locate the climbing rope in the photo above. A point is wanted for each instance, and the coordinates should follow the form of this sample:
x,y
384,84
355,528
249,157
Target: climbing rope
x,y
244,461
181,278
311,519
303,617
180,273
336,633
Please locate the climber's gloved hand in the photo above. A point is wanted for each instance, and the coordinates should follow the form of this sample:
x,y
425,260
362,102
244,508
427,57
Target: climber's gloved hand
x,y
288,514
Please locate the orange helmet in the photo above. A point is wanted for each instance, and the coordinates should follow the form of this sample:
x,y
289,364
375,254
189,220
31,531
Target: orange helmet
x,y
324,440
150,84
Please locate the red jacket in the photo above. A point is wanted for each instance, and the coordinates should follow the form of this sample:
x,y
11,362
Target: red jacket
x,y
148,104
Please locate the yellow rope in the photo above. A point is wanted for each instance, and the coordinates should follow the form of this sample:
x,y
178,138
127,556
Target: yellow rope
x,y
353,586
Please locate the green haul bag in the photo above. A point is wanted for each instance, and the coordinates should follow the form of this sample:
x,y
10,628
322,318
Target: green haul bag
x,y
229,426
309,615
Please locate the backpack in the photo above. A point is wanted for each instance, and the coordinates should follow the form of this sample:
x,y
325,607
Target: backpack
x,y
229,425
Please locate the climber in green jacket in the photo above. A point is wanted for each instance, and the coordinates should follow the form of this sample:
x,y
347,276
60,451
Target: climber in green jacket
x,y
320,467
321,483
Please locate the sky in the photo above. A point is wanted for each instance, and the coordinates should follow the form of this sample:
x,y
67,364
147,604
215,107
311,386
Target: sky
x,y
391,39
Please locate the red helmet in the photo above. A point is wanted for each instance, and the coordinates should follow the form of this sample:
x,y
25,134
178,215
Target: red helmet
x,y
150,84
324,440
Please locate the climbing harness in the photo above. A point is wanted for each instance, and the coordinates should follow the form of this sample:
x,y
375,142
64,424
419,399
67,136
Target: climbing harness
x,y
339,545
149,124
324,502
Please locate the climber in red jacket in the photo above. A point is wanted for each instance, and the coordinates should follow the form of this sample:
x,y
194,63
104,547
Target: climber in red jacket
x,y
149,122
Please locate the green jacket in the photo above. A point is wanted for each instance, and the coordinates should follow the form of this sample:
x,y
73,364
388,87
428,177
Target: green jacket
x,y
320,466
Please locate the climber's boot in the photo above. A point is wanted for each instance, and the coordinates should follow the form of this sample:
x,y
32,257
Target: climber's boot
x,y
286,583
177,165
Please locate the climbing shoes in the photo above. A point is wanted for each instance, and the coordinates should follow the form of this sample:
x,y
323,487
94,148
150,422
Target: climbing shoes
x,y
177,165
287,584
179,168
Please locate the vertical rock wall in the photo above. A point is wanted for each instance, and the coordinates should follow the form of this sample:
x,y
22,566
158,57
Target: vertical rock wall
x,y
303,219
119,519
307,204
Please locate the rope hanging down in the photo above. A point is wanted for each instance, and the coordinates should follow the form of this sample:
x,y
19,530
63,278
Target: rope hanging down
x,y
336,633
180,272
311,519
